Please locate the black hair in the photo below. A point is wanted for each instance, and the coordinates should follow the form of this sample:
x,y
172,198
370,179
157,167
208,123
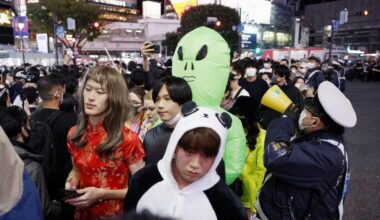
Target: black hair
x,y
58,78
46,84
238,68
287,61
13,120
247,110
30,93
178,89
71,85
297,78
132,65
116,62
138,77
282,70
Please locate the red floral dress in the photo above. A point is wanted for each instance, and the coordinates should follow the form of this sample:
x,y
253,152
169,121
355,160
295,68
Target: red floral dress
x,y
102,172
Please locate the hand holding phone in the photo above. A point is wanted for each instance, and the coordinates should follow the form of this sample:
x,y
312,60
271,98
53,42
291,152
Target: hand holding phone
x,y
69,194
149,48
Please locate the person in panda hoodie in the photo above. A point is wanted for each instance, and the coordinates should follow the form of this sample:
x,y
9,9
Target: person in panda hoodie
x,y
184,184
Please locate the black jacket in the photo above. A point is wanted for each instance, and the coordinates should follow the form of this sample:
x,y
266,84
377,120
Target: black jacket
x,y
32,163
155,142
223,201
304,174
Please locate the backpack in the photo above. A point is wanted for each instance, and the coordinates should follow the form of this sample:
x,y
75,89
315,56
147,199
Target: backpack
x,y
41,142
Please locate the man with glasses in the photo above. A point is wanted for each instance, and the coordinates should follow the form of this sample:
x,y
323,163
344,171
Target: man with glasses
x,y
308,176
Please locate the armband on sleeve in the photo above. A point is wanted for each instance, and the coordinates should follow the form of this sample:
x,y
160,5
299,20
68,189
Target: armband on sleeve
x,y
277,150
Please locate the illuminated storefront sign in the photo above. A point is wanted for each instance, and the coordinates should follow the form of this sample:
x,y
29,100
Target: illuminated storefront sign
x,y
5,17
121,3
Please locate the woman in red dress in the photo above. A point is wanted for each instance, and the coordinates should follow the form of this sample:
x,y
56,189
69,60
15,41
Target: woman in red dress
x,y
104,153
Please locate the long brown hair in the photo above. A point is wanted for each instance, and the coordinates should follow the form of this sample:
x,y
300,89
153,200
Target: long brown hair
x,y
117,112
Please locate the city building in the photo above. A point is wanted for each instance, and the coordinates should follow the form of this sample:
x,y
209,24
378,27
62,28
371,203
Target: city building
x,y
124,39
360,34
118,10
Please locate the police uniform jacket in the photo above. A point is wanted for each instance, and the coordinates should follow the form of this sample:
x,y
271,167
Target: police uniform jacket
x,y
302,174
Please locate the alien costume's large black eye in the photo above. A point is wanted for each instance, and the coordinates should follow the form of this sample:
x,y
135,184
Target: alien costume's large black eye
x,y
202,53
180,53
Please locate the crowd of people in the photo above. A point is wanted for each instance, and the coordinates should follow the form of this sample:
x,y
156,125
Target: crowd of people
x,y
116,141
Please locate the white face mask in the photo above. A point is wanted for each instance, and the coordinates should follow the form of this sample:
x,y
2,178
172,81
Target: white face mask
x,y
310,65
267,65
300,121
174,120
298,85
251,71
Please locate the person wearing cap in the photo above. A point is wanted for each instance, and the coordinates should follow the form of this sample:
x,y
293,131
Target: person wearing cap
x,y
314,75
30,79
335,74
15,86
308,176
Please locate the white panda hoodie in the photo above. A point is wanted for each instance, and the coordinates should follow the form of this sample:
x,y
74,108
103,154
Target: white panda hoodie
x,y
165,198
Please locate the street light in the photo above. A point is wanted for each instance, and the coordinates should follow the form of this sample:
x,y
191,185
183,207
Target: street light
x,y
20,28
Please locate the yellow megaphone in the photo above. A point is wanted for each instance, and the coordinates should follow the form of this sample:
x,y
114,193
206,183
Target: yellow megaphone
x,y
276,99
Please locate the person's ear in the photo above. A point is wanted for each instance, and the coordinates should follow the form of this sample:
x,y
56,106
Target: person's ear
x,y
318,123
57,94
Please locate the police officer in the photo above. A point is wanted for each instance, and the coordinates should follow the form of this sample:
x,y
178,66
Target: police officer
x,y
308,176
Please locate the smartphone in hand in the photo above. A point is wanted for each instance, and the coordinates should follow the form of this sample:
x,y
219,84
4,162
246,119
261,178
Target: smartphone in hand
x,y
69,194
155,48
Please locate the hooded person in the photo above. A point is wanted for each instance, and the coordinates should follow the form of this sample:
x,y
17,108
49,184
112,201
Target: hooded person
x,y
202,58
184,184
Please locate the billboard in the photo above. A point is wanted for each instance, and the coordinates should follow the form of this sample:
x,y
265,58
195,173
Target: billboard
x,y
5,17
248,41
255,11
42,43
16,30
151,9
6,28
181,5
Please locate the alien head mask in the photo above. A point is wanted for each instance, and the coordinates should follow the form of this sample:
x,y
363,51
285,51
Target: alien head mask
x,y
202,58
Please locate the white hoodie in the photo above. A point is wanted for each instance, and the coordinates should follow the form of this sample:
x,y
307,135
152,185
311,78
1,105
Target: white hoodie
x,y
165,198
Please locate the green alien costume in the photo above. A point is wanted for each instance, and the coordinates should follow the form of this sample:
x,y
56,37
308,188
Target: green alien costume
x,y
202,58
